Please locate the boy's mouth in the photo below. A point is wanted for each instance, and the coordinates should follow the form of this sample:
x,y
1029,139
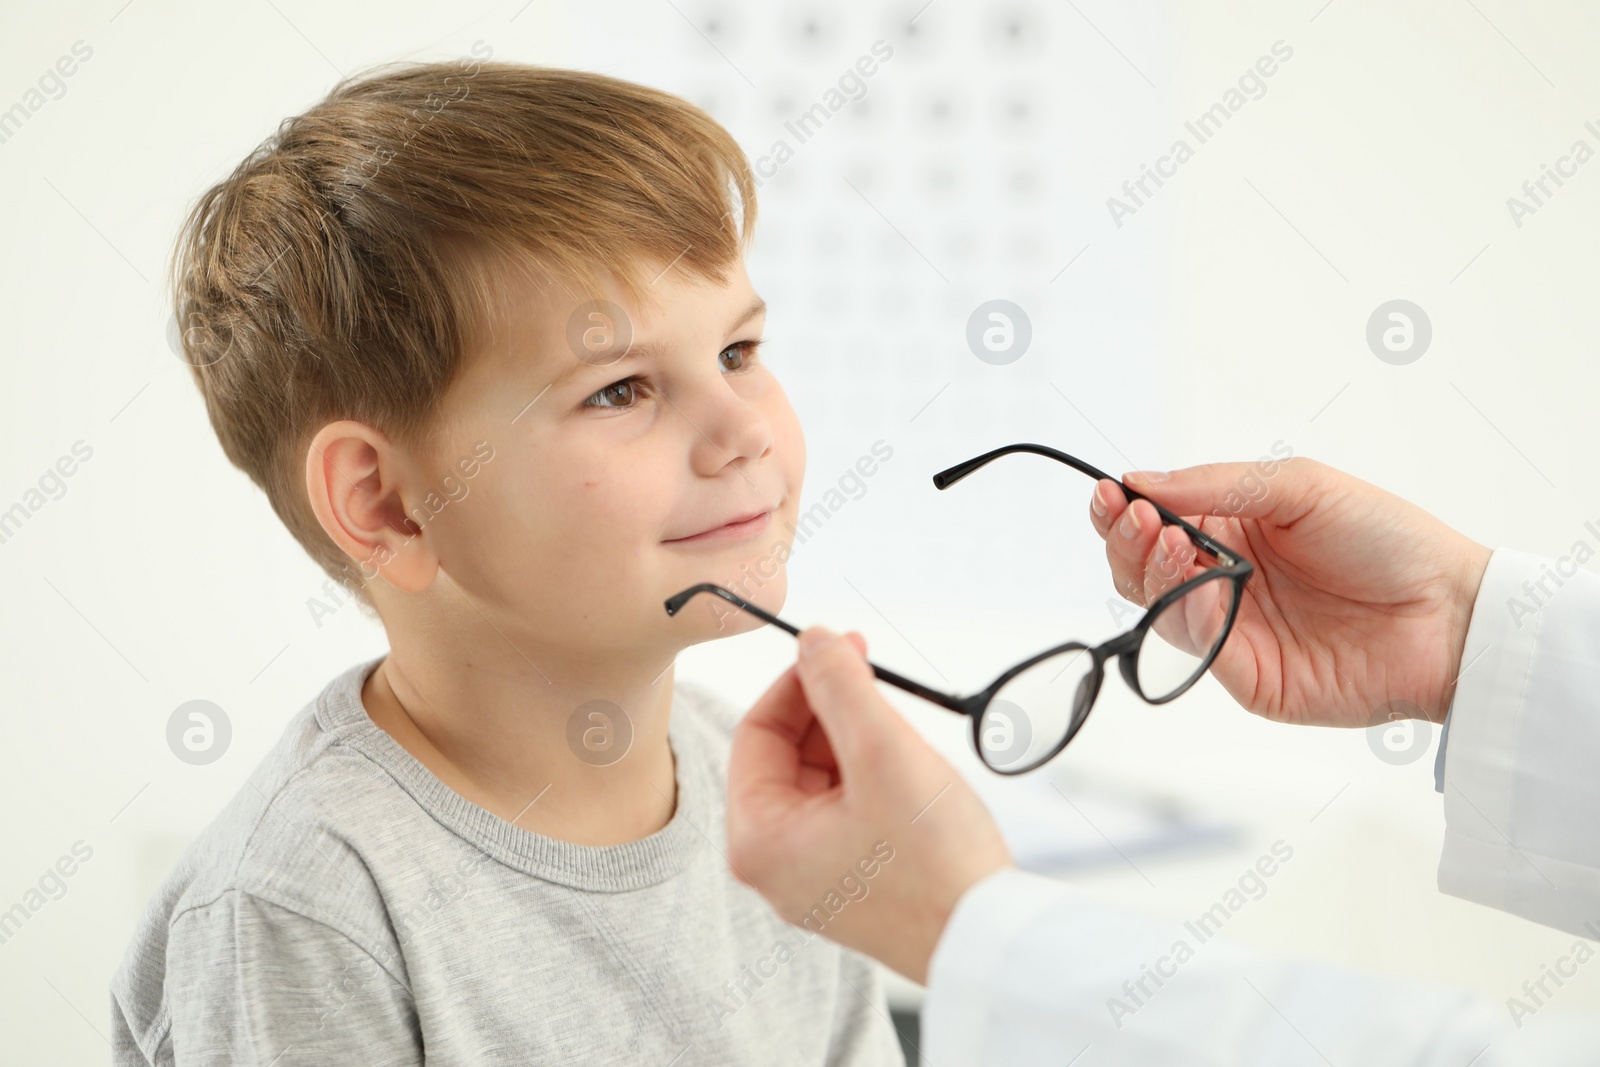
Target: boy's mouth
x,y
736,529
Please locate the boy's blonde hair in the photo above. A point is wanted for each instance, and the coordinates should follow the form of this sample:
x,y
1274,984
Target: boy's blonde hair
x,y
343,270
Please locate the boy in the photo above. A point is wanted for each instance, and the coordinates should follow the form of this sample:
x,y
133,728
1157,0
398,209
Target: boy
x,y
484,336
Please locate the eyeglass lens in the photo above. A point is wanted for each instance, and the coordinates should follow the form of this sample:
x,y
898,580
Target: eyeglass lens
x,y
1182,636
1035,710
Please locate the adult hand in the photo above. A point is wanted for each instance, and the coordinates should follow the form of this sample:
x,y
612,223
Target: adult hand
x,y
1359,598
845,819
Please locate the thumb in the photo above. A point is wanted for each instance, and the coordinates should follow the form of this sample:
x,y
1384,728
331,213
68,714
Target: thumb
x,y
839,689
1280,489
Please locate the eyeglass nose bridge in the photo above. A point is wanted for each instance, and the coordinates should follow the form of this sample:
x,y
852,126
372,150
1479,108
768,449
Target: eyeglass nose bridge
x,y
1125,649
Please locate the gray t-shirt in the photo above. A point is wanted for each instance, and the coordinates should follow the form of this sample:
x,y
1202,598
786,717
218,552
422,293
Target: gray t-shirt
x,y
347,907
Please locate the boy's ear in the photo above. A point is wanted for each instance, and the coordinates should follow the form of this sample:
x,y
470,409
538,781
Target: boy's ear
x,y
354,477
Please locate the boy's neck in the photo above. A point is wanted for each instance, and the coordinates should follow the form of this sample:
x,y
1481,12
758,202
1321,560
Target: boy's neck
x,y
495,730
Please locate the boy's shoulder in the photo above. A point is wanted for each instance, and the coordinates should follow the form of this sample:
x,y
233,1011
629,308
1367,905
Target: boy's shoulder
x,y
298,804
301,809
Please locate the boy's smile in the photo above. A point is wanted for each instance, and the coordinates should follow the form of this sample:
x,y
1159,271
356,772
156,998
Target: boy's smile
x,y
737,529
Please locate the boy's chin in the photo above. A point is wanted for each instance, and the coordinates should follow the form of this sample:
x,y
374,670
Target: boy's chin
x,y
732,624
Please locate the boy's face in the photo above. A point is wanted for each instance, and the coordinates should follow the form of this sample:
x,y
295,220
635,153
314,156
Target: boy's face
x,y
574,532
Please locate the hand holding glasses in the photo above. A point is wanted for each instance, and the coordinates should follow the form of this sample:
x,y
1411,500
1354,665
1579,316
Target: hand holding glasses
x,y
1027,715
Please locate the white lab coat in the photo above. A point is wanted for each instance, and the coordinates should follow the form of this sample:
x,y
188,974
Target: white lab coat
x,y
1026,973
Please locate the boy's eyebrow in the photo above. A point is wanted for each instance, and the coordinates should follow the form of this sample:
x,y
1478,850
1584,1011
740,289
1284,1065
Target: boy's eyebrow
x,y
648,350
750,312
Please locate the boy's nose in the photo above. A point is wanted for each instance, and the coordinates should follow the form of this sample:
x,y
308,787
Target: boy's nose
x,y
727,429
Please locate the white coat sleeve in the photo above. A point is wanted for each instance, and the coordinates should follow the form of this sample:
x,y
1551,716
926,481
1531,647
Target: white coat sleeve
x,y
1026,973
1522,763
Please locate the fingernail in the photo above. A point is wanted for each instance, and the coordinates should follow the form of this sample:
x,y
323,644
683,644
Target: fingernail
x,y
1098,502
815,639
1129,526
1146,476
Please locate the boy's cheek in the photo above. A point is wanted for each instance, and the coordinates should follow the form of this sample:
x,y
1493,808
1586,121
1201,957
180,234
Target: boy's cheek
x,y
789,441
609,521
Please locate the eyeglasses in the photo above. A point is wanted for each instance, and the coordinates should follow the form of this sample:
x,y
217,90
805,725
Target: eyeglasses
x,y
1027,715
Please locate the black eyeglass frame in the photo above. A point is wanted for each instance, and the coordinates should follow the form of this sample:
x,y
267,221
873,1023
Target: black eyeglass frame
x,y
1125,646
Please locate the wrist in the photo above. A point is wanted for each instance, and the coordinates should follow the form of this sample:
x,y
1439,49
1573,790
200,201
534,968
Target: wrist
x,y
916,952
1464,596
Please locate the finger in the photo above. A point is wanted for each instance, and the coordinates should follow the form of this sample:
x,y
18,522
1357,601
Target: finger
x,y
816,754
1105,505
839,687
765,754
1129,546
1171,562
1282,490
783,710
815,751
814,780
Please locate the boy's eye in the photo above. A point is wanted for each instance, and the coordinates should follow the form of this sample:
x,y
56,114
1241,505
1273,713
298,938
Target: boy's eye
x,y
618,394
624,391
745,350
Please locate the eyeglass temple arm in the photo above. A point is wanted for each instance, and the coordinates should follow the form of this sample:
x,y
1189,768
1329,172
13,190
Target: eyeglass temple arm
x,y
883,674
951,475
